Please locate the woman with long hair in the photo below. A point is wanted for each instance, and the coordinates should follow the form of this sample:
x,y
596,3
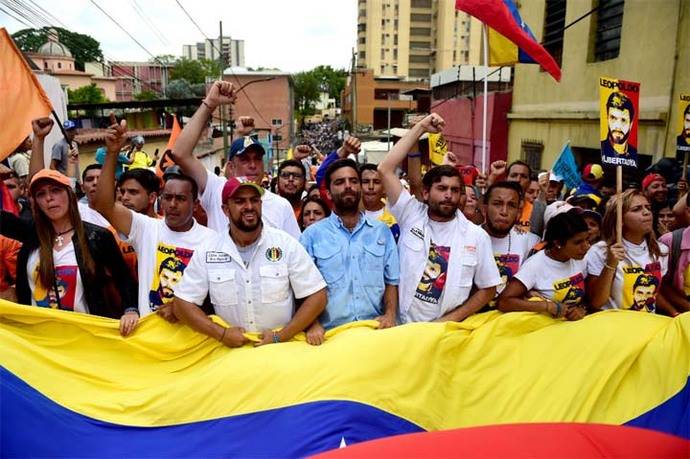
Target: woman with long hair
x,y
313,210
628,275
552,281
65,263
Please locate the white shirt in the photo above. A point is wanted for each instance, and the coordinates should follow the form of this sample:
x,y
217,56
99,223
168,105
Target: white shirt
x,y
92,216
260,296
469,261
67,279
510,253
276,211
163,256
559,281
637,279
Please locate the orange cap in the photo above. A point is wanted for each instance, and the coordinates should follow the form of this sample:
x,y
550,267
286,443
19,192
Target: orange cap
x,y
50,174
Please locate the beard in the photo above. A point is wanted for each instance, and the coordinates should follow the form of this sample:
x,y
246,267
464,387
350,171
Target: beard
x,y
347,202
436,209
619,140
246,227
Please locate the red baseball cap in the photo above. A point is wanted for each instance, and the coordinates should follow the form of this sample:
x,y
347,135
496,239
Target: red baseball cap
x,y
235,183
650,178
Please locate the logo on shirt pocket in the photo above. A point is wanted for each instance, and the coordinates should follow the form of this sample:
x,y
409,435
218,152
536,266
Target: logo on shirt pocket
x,y
274,254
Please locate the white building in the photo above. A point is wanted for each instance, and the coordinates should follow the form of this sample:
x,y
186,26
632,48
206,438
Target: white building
x,y
233,51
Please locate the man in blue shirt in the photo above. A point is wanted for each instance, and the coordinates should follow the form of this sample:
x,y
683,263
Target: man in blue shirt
x,y
356,256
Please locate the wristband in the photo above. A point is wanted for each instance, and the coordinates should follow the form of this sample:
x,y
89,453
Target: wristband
x,y
223,335
612,268
276,337
207,105
414,155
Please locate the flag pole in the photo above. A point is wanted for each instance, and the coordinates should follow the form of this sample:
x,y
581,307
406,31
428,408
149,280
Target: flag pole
x,y
619,204
486,93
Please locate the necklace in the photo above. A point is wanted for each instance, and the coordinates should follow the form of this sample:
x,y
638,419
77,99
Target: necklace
x,y
61,240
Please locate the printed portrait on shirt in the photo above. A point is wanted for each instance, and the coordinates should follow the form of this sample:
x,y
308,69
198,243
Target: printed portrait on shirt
x,y
640,287
66,282
507,264
433,279
570,291
170,265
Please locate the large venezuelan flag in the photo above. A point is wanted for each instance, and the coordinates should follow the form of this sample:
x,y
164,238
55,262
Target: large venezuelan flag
x,y
510,39
71,386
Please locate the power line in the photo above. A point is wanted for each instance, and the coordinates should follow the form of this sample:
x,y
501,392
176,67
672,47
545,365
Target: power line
x,y
220,53
40,22
7,13
49,15
126,32
149,22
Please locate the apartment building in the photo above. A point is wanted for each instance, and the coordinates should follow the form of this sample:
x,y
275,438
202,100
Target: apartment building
x,y
233,51
412,39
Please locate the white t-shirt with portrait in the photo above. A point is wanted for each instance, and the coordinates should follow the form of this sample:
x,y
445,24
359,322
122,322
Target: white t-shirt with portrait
x,y
559,281
276,211
163,257
510,253
638,276
67,280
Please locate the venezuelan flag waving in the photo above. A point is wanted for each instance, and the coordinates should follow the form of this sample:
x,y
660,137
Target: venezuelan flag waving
x,y
510,39
72,387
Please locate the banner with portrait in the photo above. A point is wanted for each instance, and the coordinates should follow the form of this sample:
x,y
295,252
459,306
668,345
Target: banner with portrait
x,y
618,120
683,137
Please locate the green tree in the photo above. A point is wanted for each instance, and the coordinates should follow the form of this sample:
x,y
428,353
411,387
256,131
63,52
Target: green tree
x,y
179,89
90,94
146,95
212,69
189,70
83,47
164,59
330,80
306,93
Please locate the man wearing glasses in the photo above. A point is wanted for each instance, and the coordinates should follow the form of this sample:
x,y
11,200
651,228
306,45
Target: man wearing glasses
x,y
291,183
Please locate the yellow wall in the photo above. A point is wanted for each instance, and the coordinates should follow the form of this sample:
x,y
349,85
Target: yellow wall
x,y
552,112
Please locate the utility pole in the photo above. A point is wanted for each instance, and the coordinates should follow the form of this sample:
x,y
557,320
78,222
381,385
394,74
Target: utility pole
x,y
353,92
221,60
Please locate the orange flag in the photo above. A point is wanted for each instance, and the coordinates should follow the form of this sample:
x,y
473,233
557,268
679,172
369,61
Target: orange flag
x,y
165,160
22,98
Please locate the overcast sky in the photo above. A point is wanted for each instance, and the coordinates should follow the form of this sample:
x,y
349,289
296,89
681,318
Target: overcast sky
x,y
291,35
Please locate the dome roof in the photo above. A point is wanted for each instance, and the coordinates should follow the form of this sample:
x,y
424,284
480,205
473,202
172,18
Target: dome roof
x,y
53,47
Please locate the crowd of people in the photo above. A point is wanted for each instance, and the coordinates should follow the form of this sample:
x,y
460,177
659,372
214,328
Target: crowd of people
x,y
359,243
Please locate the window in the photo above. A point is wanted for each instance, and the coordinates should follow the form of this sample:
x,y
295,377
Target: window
x,y
277,122
395,69
419,59
419,45
362,40
606,30
531,153
421,3
277,137
383,53
395,54
59,65
420,17
383,68
362,12
423,31
362,55
419,73
362,27
554,21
